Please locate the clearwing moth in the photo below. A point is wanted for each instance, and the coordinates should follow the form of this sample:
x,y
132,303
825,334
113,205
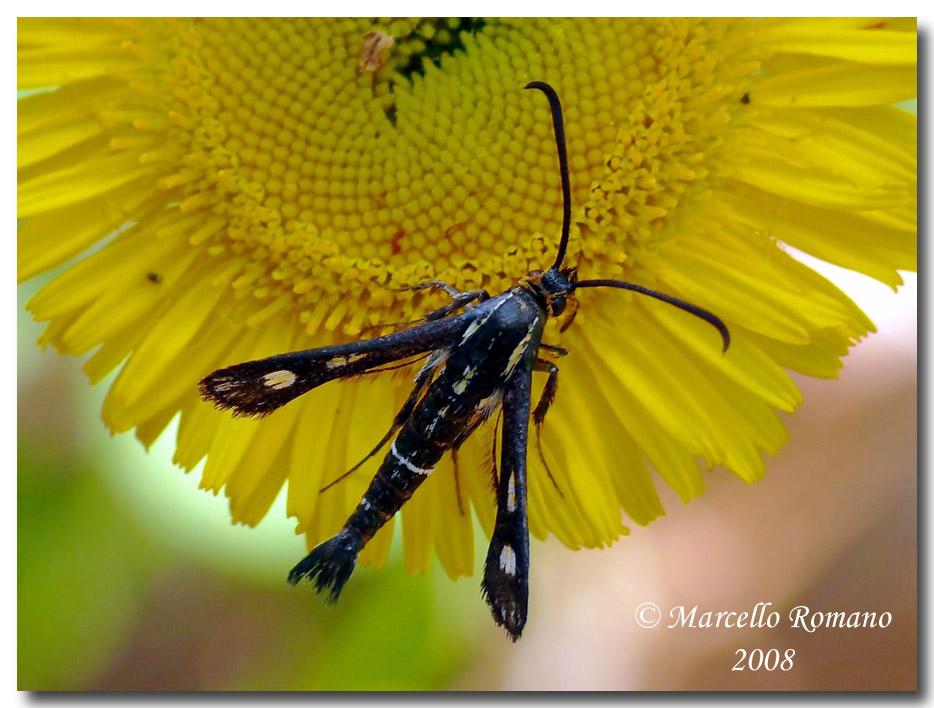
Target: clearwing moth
x,y
479,362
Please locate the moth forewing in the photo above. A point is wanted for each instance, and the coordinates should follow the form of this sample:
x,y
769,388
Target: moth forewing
x,y
505,582
257,388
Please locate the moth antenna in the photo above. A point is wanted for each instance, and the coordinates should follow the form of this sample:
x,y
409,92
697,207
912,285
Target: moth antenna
x,y
708,317
558,120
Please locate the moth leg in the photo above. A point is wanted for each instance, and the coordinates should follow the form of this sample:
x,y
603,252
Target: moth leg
x,y
453,292
421,382
460,300
494,477
541,409
449,289
574,305
505,583
548,393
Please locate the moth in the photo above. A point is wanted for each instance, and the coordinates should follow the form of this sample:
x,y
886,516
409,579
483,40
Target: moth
x,y
481,352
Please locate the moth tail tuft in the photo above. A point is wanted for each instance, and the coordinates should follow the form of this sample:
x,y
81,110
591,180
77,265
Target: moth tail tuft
x,y
329,566
507,612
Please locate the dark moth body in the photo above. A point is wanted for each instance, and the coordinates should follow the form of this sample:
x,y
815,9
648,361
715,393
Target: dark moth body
x,y
499,344
479,361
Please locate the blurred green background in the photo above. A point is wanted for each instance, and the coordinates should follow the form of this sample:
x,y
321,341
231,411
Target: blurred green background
x,y
132,578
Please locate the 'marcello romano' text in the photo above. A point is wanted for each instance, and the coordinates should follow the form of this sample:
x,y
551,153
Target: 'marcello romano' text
x,y
762,616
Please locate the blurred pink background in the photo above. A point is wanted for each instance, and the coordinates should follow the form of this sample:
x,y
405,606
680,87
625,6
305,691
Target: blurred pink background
x,y
832,526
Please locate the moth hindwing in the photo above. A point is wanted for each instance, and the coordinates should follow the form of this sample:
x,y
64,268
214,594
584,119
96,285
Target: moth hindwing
x,y
481,352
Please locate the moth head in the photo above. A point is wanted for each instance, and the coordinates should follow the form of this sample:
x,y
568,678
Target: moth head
x,y
557,286
554,287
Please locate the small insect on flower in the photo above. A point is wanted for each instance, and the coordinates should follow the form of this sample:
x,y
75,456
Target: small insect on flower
x,y
478,362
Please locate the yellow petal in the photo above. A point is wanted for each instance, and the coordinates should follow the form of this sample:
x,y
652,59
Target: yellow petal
x,y
802,184
743,364
878,47
306,476
86,180
454,530
811,81
255,483
714,284
845,142
41,242
855,240
149,431
475,459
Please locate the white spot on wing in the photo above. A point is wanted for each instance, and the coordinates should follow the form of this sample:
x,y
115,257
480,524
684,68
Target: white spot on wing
x,y
337,362
283,378
408,464
507,560
511,492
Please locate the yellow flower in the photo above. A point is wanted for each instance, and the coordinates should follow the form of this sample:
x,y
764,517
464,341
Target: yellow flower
x,y
273,182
